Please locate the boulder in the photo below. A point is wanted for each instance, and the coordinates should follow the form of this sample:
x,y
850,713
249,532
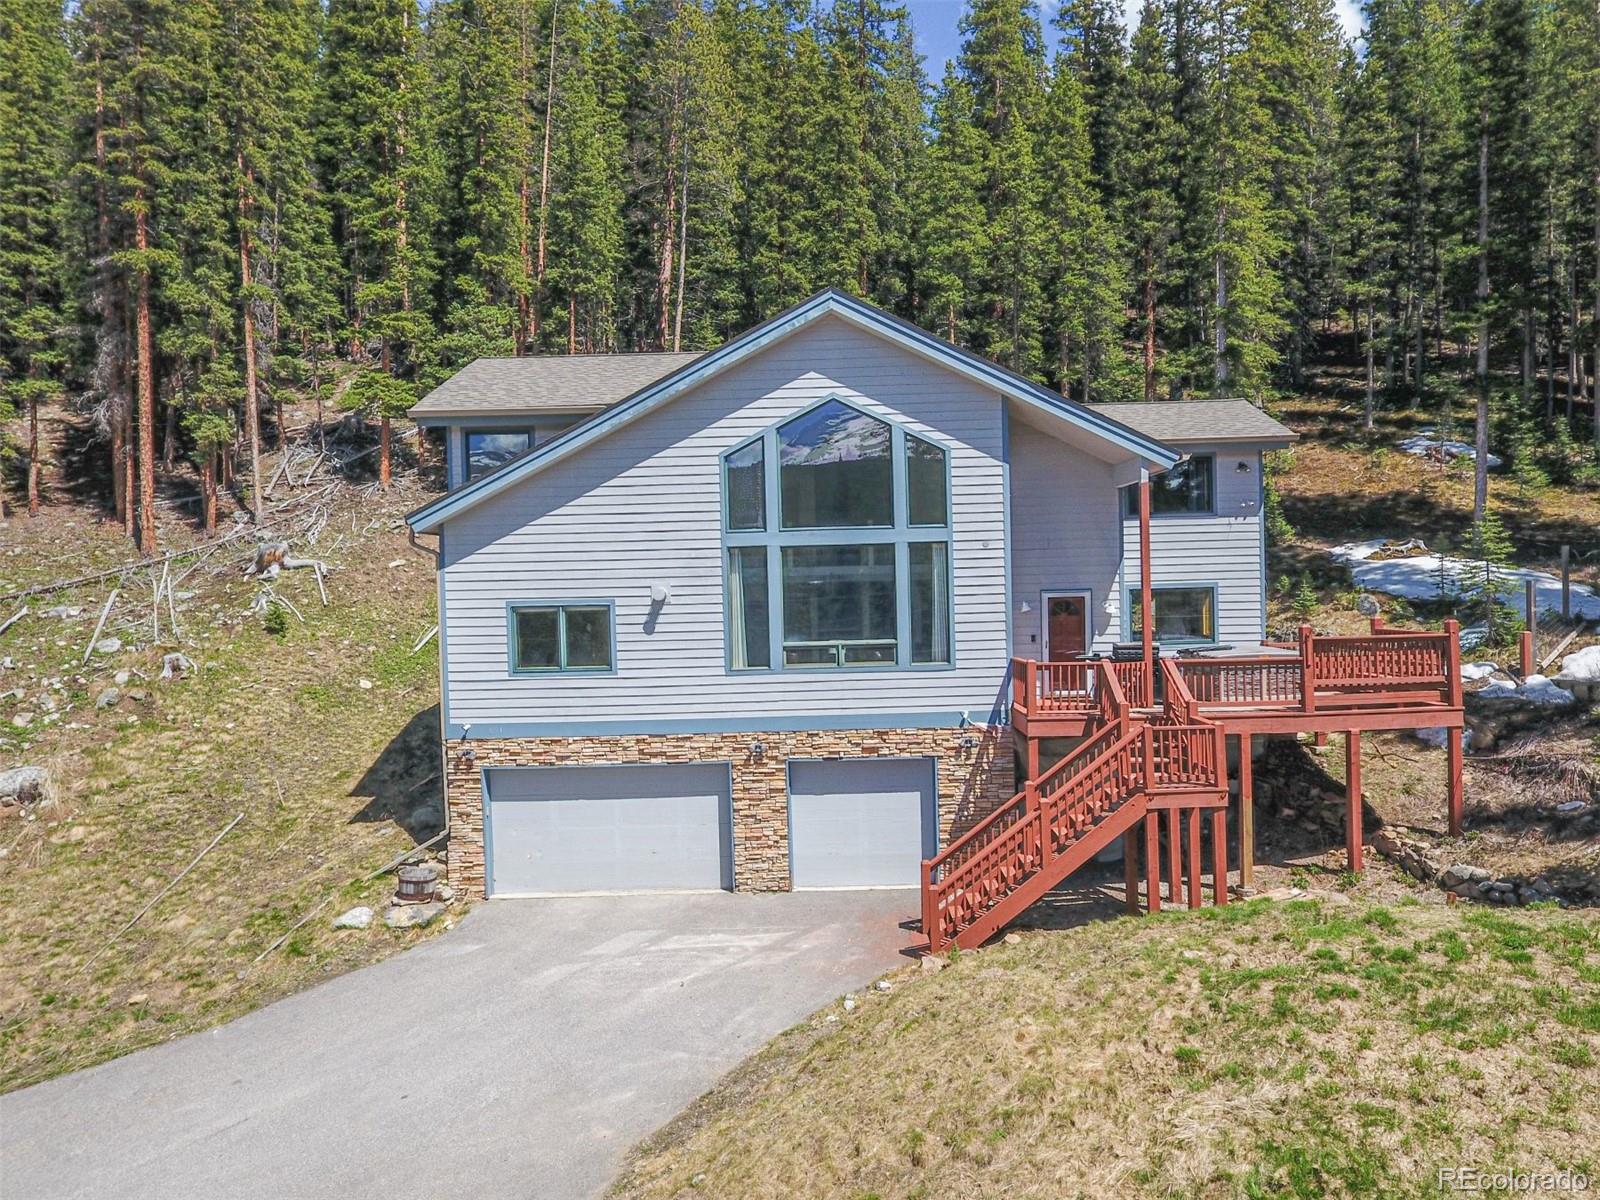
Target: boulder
x,y
412,916
356,918
109,645
107,698
1463,873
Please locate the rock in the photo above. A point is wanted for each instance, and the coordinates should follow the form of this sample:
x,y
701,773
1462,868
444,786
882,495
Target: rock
x,y
175,665
445,892
107,698
139,695
930,964
22,720
64,611
883,985
108,645
77,833
412,916
849,1004
1013,939
122,677
364,684
139,998
1463,873
1572,806
356,918
23,785
1384,843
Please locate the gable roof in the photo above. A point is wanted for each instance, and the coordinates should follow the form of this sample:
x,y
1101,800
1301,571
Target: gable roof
x,y
830,301
1177,422
491,387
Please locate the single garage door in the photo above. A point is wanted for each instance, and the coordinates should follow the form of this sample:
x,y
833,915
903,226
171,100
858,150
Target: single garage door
x,y
861,822
608,829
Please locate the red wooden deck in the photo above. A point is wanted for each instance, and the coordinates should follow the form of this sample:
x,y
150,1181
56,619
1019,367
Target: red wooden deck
x,y
1156,752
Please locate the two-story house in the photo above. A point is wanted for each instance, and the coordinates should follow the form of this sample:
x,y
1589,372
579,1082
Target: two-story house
x,y
746,619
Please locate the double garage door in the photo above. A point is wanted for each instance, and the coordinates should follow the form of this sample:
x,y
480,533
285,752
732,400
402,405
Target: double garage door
x,y
852,823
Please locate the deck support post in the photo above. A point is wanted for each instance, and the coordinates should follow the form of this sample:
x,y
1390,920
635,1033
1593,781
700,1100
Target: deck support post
x,y
1174,854
1247,815
1352,783
1146,624
1195,899
1130,869
1453,784
1219,855
1453,734
1152,862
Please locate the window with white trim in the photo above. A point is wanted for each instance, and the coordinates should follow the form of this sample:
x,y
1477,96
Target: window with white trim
x,y
837,525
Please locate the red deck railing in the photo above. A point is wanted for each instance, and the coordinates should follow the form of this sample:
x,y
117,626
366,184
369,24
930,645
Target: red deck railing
x,y
1071,687
1126,759
1384,669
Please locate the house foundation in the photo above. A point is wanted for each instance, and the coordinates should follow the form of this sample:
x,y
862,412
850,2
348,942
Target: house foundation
x,y
975,774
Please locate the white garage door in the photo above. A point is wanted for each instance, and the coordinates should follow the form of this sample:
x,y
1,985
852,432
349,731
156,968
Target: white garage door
x,y
861,822
608,829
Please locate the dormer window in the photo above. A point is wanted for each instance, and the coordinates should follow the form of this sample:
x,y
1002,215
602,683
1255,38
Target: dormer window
x,y
855,570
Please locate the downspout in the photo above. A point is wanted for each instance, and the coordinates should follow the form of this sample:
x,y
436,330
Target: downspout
x,y
444,729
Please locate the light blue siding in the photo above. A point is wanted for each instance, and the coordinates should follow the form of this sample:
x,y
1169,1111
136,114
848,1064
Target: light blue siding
x,y
1222,549
1069,534
643,506
1066,536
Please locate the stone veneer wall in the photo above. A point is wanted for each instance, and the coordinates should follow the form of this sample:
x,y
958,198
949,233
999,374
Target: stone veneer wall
x,y
973,781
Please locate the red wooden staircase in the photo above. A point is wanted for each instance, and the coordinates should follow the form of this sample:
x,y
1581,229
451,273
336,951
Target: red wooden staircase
x,y
1135,765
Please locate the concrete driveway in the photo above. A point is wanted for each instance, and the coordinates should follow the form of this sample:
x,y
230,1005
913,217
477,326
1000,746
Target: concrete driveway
x,y
520,1055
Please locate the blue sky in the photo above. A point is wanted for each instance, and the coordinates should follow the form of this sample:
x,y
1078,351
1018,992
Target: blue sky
x,y
935,24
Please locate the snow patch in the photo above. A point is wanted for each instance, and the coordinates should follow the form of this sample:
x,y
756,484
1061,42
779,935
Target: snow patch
x,y
1416,577
1535,689
1477,670
1428,444
1439,735
1584,666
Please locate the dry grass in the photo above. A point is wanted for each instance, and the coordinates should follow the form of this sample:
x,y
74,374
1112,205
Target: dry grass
x,y
333,780
1346,484
1302,1049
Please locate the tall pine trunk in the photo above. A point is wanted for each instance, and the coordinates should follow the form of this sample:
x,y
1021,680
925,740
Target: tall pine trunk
x,y
540,257
145,349
33,455
208,492
252,398
1149,328
1372,380
1480,473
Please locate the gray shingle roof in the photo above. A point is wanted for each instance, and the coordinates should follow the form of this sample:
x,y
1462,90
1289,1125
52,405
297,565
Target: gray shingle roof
x,y
546,383
1179,421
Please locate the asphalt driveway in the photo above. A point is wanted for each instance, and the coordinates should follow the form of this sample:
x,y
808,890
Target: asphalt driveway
x,y
520,1055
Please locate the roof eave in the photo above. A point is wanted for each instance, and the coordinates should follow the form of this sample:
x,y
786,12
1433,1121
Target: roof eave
x,y
1157,454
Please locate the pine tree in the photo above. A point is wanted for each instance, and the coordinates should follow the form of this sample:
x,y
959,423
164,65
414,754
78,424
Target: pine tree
x,y
952,226
1368,223
279,228
1093,50
33,161
1087,281
1002,63
586,230
1150,168
380,161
